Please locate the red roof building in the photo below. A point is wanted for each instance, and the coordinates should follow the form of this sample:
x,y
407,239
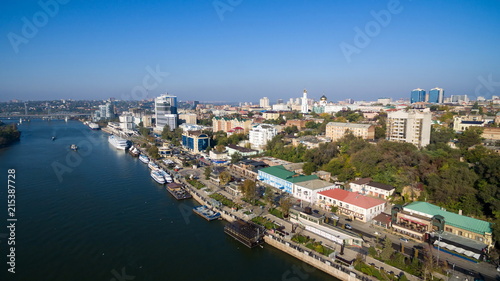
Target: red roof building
x,y
352,204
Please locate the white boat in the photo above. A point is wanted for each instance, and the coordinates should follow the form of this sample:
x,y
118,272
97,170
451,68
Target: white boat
x,y
153,166
74,147
158,177
94,126
118,142
144,159
166,175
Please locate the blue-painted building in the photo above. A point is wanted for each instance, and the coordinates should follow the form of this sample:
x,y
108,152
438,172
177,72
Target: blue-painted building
x,y
417,95
195,141
281,178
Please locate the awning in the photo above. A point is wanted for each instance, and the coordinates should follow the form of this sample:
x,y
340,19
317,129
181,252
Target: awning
x,y
476,256
468,253
460,250
414,221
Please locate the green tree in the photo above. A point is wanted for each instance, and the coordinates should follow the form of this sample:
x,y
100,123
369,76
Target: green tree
x,y
166,133
309,168
380,132
224,178
291,130
249,190
441,134
387,250
236,157
470,137
285,205
153,152
269,196
207,172
220,148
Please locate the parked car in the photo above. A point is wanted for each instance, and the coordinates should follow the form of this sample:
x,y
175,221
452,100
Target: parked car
x,y
403,239
348,219
348,226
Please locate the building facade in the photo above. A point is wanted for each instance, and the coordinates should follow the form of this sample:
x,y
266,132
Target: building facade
x,y
336,130
261,134
436,95
195,141
426,222
368,187
226,124
308,190
264,102
417,95
352,204
280,178
166,112
411,126
187,118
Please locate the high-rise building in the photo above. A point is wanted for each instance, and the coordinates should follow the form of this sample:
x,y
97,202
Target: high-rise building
x,y
459,99
305,106
166,112
417,95
104,112
436,95
411,126
264,102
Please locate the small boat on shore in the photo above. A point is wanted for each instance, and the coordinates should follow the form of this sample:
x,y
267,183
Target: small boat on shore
x,y
144,159
134,151
158,177
178,191
206,212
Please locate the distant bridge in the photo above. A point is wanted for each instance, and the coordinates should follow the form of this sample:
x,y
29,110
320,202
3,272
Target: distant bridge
x,y
55,115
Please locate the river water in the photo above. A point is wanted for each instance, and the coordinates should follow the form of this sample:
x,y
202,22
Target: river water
x,y
95,214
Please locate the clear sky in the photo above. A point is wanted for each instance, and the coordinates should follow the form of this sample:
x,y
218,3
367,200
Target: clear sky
x,y
242,50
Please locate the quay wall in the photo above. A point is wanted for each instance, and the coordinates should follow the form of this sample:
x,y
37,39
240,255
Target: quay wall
x,y
328,266
199,198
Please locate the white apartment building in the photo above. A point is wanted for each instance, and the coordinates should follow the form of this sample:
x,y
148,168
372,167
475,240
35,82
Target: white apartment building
x,y
413,126
261,134
166,112
264,102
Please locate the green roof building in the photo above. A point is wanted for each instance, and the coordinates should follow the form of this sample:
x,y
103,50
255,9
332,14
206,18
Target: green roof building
x,y
281,178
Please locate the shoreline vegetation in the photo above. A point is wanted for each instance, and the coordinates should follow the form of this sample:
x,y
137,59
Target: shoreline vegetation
x,y
8,134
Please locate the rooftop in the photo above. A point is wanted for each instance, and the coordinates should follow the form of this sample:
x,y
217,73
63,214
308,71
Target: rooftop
x,y
349,125
282,173
240,148
453,219
352,198
315,184
381,185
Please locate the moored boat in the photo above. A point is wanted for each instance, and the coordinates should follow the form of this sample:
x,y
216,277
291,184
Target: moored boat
x,y
166,175
134,151
206,212
158,177
144,159
153,166
117,142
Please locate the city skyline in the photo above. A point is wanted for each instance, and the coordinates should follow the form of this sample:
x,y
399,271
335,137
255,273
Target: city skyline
x,y
242,51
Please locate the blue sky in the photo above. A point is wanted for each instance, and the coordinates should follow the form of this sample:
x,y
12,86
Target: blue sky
x,y
241,50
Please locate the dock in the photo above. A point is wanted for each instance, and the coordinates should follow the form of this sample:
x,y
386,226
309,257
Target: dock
x,y
248,233
178,191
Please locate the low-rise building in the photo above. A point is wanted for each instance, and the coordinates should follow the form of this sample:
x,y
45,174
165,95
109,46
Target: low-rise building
x,y
337,130
280,178
232,148
368,187
426,222
308,190
352,204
